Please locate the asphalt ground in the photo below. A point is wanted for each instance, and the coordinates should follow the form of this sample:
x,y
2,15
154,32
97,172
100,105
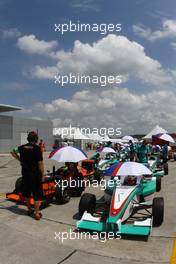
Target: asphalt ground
x,y
24,240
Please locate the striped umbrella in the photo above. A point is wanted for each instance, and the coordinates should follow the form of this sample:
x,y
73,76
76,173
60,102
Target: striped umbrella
x,y
128,168
165,137
68,154
108,150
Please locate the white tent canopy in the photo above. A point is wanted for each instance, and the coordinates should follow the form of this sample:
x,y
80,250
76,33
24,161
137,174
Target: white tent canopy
x,y
106,138
116,140
156,130
79,135
75,133
95,137
128,138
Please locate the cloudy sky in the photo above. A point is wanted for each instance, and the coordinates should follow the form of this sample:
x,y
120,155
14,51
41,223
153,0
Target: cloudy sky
x,y
33,51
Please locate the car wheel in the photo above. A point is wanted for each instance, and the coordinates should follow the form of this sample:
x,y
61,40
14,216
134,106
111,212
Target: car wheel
x,y
166,169
62,196
158,184
18,185
87,203
158,211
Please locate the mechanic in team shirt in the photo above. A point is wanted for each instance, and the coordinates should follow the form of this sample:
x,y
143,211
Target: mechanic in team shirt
x,y
165,152
143,152
31,159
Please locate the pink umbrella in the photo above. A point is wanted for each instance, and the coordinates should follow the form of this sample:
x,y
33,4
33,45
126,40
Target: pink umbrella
x,y
165,137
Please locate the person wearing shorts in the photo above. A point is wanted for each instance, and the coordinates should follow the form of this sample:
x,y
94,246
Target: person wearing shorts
x,y
31,159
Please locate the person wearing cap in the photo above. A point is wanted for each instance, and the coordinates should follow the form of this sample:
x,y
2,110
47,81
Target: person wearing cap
x,y
109,144
31,159
96,157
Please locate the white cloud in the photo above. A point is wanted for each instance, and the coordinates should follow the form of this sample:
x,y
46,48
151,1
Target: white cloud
x,y
10,33
44,72
111,55
168,31
115,108
30,44
84,5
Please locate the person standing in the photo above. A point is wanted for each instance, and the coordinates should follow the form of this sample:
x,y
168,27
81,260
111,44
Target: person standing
x,y
31,159
132,150
165,153
109,144
142,152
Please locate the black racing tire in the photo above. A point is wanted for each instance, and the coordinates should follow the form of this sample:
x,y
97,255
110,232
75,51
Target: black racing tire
x,y
18,185
166,168
158,211
158,184
62,196
87,203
